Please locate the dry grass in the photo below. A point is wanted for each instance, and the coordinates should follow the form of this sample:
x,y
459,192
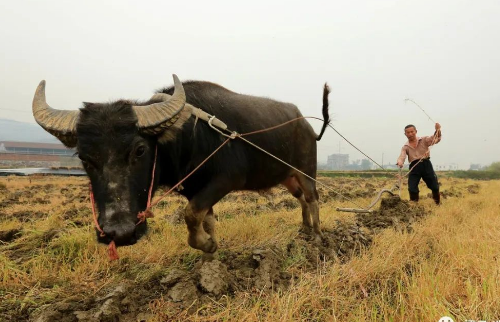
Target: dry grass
x,y
448,265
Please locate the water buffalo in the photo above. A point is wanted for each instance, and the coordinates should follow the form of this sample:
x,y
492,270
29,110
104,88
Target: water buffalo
x,y
116,143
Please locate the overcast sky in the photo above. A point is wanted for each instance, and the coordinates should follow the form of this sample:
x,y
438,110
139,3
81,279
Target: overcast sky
x,y
374,54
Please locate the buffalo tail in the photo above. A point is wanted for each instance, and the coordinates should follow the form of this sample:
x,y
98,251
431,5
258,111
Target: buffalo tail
x,y
326,115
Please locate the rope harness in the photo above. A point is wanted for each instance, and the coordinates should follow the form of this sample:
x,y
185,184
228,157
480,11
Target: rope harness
x,y
221,128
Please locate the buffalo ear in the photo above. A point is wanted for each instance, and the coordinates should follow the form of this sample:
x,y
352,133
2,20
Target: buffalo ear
x,y
87,104
69,141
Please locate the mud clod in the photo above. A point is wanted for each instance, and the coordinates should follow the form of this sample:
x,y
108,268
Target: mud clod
x,y
393,212
26,216
450,193
184,292
267,272
9,235
346,240
288,204
173,277
473,189
108,312
49,316
214,278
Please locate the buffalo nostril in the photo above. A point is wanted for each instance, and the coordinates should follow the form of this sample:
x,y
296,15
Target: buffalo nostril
x,y
110,232
119,233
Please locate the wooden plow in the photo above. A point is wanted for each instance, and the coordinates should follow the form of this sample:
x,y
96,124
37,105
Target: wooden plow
x,y
368,210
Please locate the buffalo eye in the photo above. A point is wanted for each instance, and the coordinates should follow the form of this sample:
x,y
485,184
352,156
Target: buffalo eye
x,y
140,151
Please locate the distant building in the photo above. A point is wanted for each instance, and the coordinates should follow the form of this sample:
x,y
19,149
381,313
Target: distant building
x,y
446,167
30,154
337,161
357,165
34,148
475,166
390,166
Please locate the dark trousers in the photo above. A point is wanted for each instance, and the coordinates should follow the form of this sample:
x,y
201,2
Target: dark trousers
x,y
423,170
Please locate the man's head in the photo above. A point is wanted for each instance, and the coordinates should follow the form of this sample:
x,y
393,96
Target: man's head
x,y
411,131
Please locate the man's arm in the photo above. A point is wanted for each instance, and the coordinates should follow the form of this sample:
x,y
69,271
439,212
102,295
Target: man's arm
x,y
436,138
402,157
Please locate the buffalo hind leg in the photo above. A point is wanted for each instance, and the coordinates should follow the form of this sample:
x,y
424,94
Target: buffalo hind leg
x,y
200,219
311,197
293,187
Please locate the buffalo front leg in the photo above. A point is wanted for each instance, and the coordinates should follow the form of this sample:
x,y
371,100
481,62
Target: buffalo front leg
x,y
198,237
199,215
209,223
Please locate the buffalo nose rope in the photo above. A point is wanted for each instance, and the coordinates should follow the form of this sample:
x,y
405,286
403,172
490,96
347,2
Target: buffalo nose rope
x,y
147,213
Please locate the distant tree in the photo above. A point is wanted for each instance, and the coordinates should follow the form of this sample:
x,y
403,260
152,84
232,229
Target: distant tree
x,y
495,167
366,164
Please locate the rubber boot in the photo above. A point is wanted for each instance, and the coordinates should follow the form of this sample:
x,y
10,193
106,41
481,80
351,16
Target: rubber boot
x,y
414,196
437,197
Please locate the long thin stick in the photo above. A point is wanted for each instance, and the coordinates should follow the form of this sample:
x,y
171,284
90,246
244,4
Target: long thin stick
x,y
409,99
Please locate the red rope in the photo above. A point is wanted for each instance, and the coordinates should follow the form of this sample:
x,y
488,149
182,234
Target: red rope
x,y
147,213
185,178
280,125
94,213
112,252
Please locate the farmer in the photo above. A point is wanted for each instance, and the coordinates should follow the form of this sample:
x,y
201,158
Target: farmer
x,y
417,149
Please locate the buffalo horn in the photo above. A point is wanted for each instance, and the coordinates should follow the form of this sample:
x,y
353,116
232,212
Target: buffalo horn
x,y
157,117
60,123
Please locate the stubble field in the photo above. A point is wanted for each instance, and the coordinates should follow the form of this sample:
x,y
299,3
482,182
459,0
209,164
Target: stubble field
x,y
402,263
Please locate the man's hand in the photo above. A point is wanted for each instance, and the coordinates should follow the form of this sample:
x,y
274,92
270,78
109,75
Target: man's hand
x,y
437,126
400,164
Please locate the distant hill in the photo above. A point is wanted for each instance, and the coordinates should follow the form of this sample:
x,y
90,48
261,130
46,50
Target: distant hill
x,y
26,132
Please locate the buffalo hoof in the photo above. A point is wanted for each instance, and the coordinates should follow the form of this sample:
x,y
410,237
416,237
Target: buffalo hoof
x,y
210,246
208,257
203,242
207,246
306,230
316,239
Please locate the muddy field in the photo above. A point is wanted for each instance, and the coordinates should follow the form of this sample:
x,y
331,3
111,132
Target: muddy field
x,y
53,270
